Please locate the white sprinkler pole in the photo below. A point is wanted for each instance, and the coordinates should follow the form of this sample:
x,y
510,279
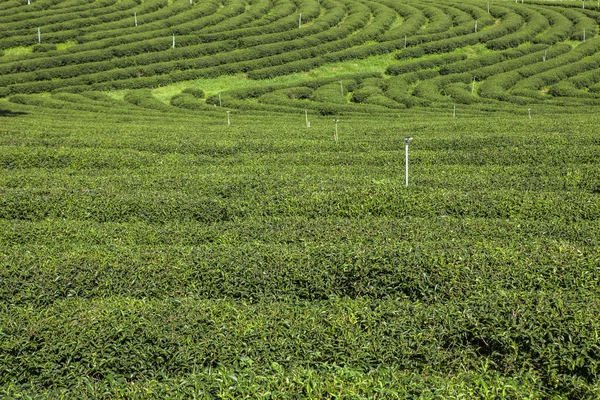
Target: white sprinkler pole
x,y
406,140
135,18
300,21
342,87
39,35
173,41
306,116
228,120
335,134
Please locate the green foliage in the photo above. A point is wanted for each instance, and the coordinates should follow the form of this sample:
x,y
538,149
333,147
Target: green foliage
x,y
42,48
197,93
427,63
208,243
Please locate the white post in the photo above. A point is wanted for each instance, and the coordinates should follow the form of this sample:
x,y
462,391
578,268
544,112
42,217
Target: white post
x,y
405,38
306,116
300,21
529,112
228,120
135,18
475,26
473,86
583,4
220,103
28,2
39,35
584,35
454,111
173,41
335,133
342,87
191,1
545,55
488,7
406,140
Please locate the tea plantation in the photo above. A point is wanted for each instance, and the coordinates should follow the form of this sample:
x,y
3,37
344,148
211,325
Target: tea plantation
x,y
207,199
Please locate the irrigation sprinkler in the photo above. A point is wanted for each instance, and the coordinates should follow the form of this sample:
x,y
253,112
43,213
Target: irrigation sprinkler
x,y
335,133
529,112
28,2
39,35
306,117
220,103
173,41
228,120
454,111
135,18
475,26
583,4
405,38
488,4
545,55
342,87
406,140
300,21
584,35
473,85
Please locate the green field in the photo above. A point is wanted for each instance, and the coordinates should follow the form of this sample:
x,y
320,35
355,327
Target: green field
x,y
170,227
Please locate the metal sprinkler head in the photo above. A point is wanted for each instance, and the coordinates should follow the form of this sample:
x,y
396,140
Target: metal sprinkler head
x,y
407,139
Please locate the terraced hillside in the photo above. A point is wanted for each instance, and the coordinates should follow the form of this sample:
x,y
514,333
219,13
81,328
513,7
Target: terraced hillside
x,y
405,54
181,218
